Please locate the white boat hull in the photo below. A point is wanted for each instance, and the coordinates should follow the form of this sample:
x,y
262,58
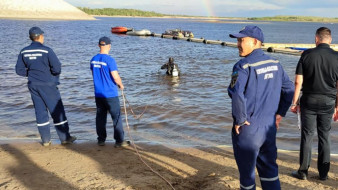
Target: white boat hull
x,y
143,32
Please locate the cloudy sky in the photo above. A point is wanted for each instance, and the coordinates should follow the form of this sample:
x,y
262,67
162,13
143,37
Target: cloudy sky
x,y
225,8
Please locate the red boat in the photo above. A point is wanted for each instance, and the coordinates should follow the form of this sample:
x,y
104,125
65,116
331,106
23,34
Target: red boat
x,y
119,30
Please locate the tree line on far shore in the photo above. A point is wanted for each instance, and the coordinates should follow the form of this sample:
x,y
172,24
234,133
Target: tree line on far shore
x,y
296,19
120,12
134,12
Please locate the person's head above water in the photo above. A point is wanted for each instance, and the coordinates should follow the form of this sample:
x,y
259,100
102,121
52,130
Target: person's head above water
x,y
171,60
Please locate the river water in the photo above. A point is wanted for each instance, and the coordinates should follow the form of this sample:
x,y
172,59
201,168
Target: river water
x,y
192,110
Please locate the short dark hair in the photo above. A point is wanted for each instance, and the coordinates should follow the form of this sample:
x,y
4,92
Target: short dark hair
x,y
34,38
323,33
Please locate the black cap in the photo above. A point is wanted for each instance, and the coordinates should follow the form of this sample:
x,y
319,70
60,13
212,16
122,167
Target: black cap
x,y
104,41
35,31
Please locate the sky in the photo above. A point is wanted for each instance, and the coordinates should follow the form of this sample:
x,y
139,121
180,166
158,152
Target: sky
x,y
222,8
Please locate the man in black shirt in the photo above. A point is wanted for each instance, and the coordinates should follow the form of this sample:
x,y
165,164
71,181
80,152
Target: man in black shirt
x,y
316,76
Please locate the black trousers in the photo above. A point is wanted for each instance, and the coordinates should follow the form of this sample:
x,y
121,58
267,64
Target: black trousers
x,y
316,112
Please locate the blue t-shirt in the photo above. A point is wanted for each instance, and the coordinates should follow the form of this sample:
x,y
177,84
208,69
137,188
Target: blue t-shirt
x,y
102,65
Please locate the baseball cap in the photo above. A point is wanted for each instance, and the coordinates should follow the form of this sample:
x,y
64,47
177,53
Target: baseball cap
x,y
249,31
104,41
35,31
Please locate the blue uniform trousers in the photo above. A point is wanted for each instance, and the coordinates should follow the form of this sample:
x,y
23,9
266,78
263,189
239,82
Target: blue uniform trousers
x,y
255,146
103,105
47,98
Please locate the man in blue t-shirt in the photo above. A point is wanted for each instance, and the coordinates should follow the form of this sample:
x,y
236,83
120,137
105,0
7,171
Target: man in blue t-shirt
x,y
106,80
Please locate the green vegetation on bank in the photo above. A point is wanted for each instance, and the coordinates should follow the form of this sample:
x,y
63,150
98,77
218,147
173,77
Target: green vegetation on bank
x,y
134,12
120,12
128,12
295,19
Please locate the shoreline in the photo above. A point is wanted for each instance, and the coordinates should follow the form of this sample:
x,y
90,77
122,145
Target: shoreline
x,y
56,142
88,166
180,17
218,19
45,19
221,20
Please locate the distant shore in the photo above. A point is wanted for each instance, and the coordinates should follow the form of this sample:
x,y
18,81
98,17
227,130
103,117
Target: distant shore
x,y
151,14
40,10
180,17
197,19
296,19
238,20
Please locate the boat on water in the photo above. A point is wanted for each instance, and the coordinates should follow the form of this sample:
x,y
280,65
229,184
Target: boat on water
x,y
298,48
179,33
120,30
143,32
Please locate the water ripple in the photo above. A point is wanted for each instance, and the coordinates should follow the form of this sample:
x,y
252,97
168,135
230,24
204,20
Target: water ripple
x,y
191,110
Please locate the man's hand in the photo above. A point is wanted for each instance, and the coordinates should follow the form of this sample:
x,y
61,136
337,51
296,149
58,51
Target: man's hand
x,y
278,120
335,114
295,109
238,126
121,86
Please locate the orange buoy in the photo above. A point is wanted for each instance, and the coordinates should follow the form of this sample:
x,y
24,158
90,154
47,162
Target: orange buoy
x,y
119,29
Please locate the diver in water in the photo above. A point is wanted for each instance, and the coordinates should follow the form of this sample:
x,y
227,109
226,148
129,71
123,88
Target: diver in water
x,y
172,68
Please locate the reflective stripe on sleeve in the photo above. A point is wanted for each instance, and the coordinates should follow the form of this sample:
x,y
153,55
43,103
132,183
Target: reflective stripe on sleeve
x,y
248,187
63,122
269,179
42,124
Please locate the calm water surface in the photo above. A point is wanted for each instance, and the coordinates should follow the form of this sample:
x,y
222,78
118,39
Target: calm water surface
x,y
193,110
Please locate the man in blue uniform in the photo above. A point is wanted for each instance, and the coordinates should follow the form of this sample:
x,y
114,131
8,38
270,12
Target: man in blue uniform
x,y
40,64
106,80
261,94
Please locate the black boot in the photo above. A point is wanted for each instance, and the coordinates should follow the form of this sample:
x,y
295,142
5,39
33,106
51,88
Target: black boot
x,y
299,174
323,170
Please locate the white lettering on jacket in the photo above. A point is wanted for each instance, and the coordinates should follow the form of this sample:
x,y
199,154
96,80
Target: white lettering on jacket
x,y
267,69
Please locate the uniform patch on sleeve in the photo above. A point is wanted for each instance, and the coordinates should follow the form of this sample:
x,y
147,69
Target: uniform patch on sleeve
x,y
234,77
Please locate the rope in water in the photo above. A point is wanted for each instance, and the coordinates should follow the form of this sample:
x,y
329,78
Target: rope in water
x,y
134,146
131,109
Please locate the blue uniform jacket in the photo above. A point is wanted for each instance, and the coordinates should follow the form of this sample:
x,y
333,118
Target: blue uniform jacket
x,y
39,63
259,88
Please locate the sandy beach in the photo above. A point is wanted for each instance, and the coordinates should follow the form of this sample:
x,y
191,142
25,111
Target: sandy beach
x,y
84,165
41,10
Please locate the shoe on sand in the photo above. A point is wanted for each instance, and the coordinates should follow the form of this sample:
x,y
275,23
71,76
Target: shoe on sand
x,y
47,143
323,178
70,140
101,143
122,144
299,175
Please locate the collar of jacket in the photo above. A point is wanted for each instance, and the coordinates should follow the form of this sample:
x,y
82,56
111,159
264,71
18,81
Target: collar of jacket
x,y
256,52
323,45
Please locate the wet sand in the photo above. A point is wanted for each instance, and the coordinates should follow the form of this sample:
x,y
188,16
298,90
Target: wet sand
x,y
28,165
